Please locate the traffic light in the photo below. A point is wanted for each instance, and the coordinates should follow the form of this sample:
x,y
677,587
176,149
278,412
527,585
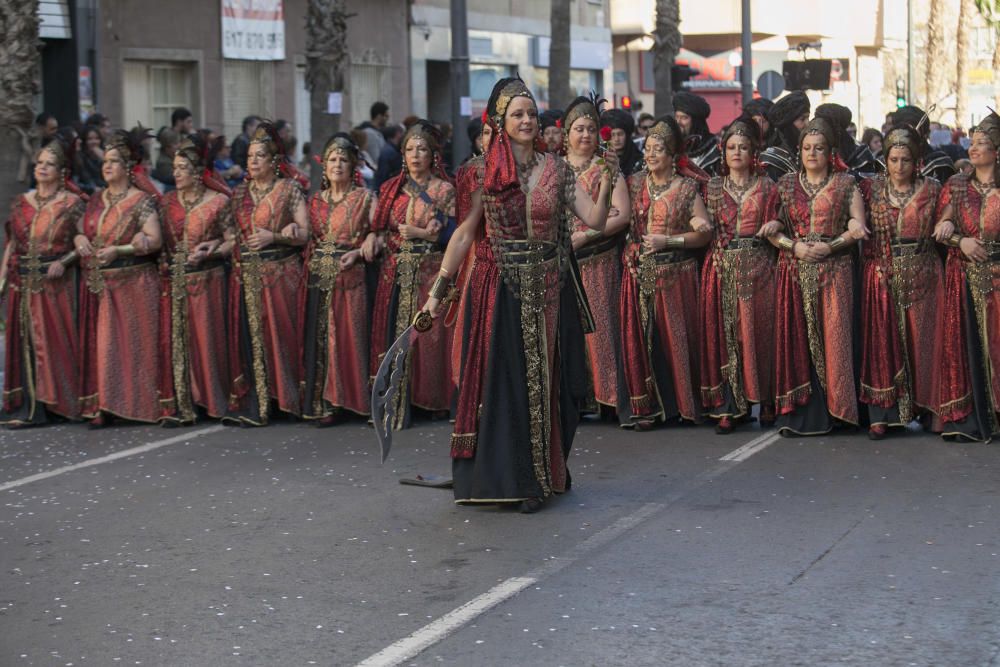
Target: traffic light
x,y
900,93
626,103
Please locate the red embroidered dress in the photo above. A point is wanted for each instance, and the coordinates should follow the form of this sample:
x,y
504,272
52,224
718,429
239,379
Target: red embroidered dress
x,y
41,360
193,311
659,306
601,273
815,381
970,381
122,364
337,333
737,301
408,272
265,319
902,292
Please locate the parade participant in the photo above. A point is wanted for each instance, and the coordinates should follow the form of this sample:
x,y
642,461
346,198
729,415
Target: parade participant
x,y
936,162
969,223
860,160
622,127
523,378
414,219
337,334
787,118
691,113
902,291
737,297
270,226
757,110
659,295
552,134
824,215
38,269
599,257
122,364
195,220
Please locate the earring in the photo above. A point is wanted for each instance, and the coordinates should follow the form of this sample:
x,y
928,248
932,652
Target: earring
x,y
324,183
277,167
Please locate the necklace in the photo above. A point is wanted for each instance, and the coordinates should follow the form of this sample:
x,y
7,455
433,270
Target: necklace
x,y
524,170
898,198
656,190
258,192
415,188
582,168
328,195
982,188
738,192
113,198
43,201
190,204
811,189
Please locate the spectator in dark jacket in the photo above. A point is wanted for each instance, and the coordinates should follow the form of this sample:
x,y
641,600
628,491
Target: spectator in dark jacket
x,y
238,152
390,161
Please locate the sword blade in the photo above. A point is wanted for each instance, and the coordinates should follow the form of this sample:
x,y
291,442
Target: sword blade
x,y
386,387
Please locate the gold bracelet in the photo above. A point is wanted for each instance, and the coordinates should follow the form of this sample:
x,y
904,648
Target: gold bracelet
x,y
837,243
439,289
675,242
125,250
593,233
69,258
786,243
955,240
444,271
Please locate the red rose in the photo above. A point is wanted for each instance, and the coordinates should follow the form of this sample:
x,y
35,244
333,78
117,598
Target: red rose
x,y
606,133
559,123
485,117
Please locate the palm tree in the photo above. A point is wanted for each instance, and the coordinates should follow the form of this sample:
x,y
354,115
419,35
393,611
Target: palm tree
x,y
326,58
666,46
18,87
935,52
559,53
962,63
990,11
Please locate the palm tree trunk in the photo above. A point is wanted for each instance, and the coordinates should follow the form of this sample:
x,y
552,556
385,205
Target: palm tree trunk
x,y
996,71
962,64
18,87
667,44
934,54
326,58
560,93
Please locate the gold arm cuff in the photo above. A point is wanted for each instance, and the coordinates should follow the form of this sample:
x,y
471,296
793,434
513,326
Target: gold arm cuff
x,y
125,250
786,243
69,258
675,242
837,243
593,233
954,241
439,290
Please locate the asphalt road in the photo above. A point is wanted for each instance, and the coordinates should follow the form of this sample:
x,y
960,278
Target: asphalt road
x,y
290,545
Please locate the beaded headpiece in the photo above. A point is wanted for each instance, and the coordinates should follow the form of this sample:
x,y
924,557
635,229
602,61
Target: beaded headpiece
x,y
822,127
267,134
58,150
742,128
425,131
341,143
582,107
662,131
904,137
990,126
513,88
129,144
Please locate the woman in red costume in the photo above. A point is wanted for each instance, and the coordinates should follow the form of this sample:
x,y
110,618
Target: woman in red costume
x,y
902,290
193,313
41,363
824,215
969,223
414,220
271,224
122,363
337,297
598,253
659,297
737,284
523,377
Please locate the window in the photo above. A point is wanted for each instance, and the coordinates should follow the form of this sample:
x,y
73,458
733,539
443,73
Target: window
x,y
152,90
370,82
248,90
482,78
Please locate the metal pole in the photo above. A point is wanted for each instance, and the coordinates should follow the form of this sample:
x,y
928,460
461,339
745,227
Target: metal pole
x,y
746,70
459,82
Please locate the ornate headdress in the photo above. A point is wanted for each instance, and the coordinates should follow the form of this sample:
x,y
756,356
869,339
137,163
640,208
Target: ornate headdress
x,y
822,127
267,134
129,146
200,152
504,91
341,143
667,133
582,107
904,136
990,126
62,148
744,126
425,130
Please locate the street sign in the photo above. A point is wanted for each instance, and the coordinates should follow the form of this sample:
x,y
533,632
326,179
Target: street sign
x,y
770,84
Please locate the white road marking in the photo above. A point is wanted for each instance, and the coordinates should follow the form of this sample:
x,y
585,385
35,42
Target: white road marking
x,y
416,643
181,437
754,446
